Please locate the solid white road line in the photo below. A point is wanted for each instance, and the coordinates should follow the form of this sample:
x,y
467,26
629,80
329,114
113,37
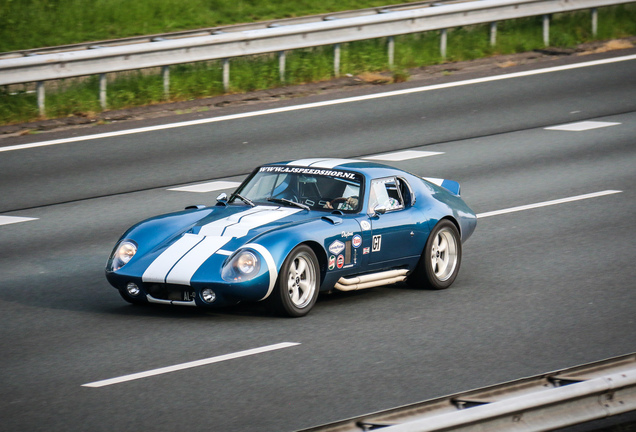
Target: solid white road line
x,y
402,155
547,203
319,104
582,126
6,220
189,365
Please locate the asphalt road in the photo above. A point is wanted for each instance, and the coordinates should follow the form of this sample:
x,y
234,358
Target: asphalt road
x,y
539,289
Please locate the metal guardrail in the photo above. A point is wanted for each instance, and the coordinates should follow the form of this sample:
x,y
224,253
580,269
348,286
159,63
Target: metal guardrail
x,y
226,29
277,39
280,37
544,402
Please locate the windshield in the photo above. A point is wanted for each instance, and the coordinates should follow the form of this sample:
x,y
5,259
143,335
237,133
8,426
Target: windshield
x,y
318,189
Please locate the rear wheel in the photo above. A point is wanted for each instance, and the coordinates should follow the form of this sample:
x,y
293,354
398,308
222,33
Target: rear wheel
x,y
439,265
297,286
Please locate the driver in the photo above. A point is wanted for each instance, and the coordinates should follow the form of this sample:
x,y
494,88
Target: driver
x,y
343,203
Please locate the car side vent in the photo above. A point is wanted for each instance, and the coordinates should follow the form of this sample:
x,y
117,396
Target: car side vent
x,y
334,220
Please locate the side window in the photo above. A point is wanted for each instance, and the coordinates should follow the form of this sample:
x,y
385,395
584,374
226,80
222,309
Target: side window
x,y
385,192
406,191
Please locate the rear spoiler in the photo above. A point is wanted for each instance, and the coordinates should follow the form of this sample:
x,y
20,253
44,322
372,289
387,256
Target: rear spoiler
x,y
450,185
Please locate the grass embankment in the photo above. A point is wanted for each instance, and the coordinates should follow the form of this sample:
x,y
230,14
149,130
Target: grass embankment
x,y
80,96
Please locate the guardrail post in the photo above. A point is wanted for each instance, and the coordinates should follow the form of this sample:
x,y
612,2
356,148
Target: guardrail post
x,y
442,44
546,30
102,90
594,21
226,74
281,65
493,33
39,86
165,74
336,60
391,50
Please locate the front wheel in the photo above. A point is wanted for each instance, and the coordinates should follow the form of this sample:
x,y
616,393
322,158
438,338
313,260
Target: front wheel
x,y
439,265
297,286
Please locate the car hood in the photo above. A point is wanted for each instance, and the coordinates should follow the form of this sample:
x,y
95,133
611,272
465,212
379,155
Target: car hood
x,y
221,232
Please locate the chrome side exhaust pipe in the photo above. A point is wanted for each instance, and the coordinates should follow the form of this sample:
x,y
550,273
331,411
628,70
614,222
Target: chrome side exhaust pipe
x,y
371,280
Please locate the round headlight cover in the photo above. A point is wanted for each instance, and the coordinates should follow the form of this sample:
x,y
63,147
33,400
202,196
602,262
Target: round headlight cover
x,y
123,254
246,262
243,266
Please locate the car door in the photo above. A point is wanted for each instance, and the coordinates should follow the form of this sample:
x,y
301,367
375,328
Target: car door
x,y
398,229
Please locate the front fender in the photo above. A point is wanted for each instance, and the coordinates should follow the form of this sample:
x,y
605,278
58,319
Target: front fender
x,y
317,234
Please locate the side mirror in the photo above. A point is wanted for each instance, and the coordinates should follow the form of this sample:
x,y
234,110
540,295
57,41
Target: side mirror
x,y
222,199
379,210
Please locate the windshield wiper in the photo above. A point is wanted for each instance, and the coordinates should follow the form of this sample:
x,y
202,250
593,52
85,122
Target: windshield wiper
x,y
288,202
245,200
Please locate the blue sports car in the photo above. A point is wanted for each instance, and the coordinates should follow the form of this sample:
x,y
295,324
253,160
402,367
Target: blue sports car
x,y
292,229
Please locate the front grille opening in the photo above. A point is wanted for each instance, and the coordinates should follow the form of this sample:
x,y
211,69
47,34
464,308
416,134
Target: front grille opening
x,y
171,292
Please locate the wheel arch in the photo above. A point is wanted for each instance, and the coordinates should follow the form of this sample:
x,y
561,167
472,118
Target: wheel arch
x,y
321,256
454,222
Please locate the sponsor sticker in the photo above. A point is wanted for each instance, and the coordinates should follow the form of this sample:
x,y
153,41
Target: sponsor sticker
x,y
340,261
366,251
332,262
356,241
336,247
346,234
366,226
310,171
377,243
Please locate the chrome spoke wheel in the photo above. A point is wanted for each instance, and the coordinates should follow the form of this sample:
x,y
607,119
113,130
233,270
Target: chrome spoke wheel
x,y
301,280
444,255
441,258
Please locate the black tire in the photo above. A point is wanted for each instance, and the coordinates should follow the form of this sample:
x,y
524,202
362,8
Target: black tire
x,y
132,300
439,265
298,283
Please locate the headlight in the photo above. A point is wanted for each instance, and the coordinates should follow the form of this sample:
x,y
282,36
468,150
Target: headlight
x,y
246,262
242,266
124,252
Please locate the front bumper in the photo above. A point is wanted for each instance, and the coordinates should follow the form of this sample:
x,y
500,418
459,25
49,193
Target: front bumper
x,y
226,293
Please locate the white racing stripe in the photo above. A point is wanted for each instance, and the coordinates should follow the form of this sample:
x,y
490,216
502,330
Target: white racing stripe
x,y
319,104
185,268
157,271
547,203
180,261
239,227
271,265
190,365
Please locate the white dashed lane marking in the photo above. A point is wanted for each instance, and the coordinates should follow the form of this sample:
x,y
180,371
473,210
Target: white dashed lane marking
x,y
548,203
402,155
582,126
6,220
190,365
207,187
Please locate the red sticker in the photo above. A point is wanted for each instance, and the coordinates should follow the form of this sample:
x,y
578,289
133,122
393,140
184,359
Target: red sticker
x,y
340,261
